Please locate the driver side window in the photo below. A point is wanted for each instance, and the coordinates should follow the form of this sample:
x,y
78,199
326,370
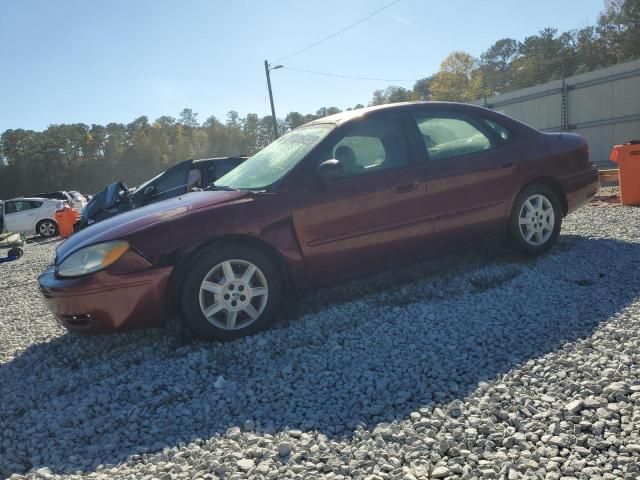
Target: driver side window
x,y
371,145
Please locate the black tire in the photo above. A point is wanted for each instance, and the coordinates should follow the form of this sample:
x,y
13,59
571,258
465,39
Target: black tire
x,y
517,235
199,269
47,232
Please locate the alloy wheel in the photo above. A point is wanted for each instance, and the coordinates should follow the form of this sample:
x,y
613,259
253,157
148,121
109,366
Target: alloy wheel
x,y
47,229
536,220
233,294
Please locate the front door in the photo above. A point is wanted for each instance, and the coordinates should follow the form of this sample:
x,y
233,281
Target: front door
x,y
468,184
171,183
372,216
20,215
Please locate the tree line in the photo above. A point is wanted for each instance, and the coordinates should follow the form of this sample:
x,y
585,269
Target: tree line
x,y
87,157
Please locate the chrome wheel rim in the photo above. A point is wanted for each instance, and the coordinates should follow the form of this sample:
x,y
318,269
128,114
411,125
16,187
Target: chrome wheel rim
x,y
536,220
47,229
233,294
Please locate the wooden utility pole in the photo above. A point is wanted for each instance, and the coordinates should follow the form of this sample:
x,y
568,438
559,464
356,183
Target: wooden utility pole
x,y
267,69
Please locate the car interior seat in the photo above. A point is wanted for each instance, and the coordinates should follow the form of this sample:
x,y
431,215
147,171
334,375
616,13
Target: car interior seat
x,y
348,158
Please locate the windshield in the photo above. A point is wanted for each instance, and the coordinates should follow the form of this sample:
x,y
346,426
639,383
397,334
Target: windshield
x,y
274,161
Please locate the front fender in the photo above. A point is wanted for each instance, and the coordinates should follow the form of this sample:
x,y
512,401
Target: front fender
x,y
263,220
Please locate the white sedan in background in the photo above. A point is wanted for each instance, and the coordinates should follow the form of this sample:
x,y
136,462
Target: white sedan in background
x,y
30,215
78,200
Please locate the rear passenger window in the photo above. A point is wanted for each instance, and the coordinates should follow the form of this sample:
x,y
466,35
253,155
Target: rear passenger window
x,y
448,135
35,204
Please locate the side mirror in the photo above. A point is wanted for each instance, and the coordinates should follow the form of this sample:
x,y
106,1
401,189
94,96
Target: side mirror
x,y
149,191
330,170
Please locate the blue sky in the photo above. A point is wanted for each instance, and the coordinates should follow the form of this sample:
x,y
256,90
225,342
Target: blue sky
x,y
67,61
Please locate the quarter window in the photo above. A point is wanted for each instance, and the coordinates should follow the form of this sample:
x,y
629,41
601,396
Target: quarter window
x,y
371,145
501,132
447,135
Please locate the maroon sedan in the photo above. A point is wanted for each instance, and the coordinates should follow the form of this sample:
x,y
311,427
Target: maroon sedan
x,y
341,196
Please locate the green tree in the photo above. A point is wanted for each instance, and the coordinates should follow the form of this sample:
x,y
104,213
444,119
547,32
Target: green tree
x,y
495,64
458,80
619,28
392,94
188,118
422,89
543,57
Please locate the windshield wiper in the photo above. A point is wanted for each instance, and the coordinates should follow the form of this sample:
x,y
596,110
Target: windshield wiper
x,y
213,186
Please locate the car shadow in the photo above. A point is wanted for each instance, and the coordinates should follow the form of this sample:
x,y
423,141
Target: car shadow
x,y
75,402
38,240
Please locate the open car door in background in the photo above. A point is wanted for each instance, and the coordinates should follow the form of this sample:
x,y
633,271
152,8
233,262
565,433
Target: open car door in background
x,y
170,183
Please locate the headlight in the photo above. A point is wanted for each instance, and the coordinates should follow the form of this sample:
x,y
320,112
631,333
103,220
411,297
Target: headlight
x,y
92,259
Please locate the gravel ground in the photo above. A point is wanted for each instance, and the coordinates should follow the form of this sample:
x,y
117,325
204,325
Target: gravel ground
x,y
481,365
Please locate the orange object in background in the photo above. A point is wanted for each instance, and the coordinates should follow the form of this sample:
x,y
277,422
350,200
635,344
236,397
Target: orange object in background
x,y
65,219
627,156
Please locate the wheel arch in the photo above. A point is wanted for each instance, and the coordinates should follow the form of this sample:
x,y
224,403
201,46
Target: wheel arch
x,y
183,259
553,185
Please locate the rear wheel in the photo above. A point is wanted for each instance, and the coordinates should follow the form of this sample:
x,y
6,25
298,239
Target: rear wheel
x,y
230,292
47,228
535,220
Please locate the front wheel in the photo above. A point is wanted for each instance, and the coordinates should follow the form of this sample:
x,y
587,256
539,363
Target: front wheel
x,y
230,292
535,220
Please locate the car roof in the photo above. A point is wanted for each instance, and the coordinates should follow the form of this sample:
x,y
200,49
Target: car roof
x,y
38,199
342,117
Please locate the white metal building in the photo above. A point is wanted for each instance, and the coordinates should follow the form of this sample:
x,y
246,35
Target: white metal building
x,y
603,105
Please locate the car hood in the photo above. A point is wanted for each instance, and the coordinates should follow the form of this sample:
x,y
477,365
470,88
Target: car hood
x,y
122,225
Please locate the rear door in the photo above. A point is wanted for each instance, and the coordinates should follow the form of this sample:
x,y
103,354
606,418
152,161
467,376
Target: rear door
x,y
469,182
371,217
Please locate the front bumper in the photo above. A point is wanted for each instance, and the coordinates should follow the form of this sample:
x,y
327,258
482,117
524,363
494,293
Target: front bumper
x,y
107,302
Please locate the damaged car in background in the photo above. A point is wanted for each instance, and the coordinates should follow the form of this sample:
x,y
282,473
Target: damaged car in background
x,y
177,180
344,195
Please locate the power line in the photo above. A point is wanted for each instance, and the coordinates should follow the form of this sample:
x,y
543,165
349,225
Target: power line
x,y
338,32
346,76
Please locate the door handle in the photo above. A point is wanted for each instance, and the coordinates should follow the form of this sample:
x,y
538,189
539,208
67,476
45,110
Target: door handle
x,y
508,165
407,188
